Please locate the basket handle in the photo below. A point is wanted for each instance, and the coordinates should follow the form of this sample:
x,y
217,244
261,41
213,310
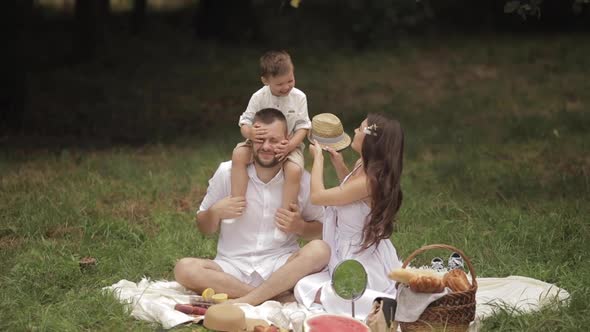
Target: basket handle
x,y
443,246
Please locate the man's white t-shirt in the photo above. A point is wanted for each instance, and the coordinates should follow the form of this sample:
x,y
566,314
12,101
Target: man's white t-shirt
x,y
293,106
249,242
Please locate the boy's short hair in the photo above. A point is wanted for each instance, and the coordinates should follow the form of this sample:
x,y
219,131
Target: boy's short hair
x,y
270,115
275,63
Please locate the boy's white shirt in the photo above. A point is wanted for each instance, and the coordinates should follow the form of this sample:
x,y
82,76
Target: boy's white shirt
x,y
293,106
249,243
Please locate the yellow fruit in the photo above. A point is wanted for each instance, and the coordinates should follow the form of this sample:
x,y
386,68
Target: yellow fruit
x,y
219,298
207,294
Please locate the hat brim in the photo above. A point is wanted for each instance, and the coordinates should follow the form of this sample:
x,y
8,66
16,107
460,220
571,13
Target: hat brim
x,y
248,323
338,146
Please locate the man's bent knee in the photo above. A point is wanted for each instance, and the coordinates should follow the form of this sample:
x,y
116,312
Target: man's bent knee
x,y
318,251
184,268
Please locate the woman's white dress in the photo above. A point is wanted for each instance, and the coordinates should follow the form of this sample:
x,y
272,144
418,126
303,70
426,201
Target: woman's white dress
x,y
343,231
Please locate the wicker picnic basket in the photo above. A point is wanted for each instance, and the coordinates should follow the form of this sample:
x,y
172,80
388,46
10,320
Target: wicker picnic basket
x,y
452,312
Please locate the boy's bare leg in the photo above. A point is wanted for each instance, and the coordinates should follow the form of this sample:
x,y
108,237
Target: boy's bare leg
x,y
292,184
313,257
239,175
198,274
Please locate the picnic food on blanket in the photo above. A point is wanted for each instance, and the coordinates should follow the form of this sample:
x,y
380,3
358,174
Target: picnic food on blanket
x,y
207,294
334,323
456,280
252,324
225,317
219,298
260,328
256,325
427,284
424,281
190,309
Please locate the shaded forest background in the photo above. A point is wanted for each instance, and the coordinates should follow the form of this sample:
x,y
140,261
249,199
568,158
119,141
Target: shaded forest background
x,y
100,37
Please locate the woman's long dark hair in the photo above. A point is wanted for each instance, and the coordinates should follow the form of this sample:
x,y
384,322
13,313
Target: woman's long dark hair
x,y
382,155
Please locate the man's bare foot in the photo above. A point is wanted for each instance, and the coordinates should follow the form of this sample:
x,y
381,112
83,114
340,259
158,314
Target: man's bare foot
x,y
234,301
285,297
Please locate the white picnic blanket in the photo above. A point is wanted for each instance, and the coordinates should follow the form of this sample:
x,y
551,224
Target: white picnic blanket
x,y
154,301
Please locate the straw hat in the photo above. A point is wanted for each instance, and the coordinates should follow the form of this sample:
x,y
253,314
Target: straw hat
x,y
225,317
327,129
230,318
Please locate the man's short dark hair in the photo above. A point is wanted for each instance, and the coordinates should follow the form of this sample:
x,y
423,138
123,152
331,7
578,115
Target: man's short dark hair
x,y
270,115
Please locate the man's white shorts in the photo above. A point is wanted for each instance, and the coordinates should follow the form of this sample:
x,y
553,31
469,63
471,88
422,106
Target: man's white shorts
x,y
254,279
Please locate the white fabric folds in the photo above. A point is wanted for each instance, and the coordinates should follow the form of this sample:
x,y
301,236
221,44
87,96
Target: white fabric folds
x,y
154,301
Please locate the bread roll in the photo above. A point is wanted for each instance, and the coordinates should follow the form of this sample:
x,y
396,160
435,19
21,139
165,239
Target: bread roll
x,y
456,280
427,284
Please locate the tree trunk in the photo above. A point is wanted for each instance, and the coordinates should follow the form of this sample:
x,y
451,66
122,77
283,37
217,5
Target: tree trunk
x,y
15,17
138,16
225,20
89,28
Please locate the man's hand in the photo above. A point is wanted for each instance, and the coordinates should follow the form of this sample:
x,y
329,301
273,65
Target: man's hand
x,y
290,221
258,133
283,149
229,207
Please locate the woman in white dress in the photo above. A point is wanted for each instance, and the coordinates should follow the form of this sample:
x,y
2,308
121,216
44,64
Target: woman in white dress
x,y
360,213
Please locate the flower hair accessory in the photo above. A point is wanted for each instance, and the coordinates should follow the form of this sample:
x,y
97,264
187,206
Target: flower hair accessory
x,y
371,130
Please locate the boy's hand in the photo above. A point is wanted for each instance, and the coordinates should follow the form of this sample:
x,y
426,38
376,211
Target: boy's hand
x,y
258,133
283,149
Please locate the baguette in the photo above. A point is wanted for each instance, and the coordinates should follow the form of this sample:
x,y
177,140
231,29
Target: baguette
x,y
402,275
405,275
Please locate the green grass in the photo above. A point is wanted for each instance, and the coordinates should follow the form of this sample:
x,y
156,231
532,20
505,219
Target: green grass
x,y
497,164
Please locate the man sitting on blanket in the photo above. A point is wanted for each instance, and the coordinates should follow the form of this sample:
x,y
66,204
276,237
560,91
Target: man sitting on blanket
x,y
252,265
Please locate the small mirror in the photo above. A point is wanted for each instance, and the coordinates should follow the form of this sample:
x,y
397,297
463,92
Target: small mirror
x,y
349,280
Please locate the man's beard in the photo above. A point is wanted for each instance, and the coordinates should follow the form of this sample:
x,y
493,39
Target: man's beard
x,y
266,164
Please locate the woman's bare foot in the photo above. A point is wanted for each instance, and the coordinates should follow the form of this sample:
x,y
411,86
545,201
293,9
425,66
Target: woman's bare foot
x,y
318,296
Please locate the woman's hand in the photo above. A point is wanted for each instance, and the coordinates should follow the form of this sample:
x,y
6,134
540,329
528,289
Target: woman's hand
x,y
335,156
338,162
316,150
